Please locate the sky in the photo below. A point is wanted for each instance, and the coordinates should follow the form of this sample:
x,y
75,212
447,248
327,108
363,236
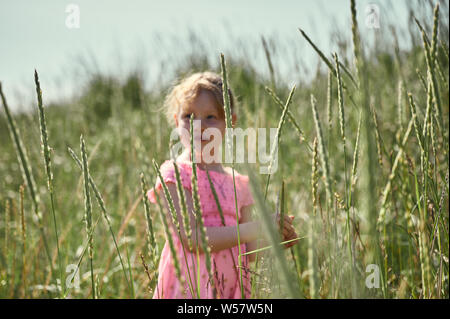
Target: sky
x,y
122,35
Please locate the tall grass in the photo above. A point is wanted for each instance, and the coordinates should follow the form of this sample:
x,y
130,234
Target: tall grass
x,y
27,173
275,145
199,216
48,168
88,213
323,156
151,241
102,205
368,168
167,228
229,150
273,236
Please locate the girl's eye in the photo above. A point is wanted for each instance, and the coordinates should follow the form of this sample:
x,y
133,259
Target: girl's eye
x,y
187,116
211,117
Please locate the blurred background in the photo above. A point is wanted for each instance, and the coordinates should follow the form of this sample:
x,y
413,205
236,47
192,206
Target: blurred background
x,y
154,38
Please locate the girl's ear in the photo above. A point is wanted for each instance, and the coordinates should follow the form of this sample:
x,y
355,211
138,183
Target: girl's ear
x,y
176,119
233,119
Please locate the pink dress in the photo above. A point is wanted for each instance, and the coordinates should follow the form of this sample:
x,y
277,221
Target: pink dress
x,y
225,262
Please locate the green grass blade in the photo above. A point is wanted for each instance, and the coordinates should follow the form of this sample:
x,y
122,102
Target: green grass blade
x,y
229,149
88,211
273,235
48,170
26,171
105,214
275,146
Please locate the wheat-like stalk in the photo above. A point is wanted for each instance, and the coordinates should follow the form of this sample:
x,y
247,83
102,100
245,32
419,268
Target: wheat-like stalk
x,y
423,241
322,152
26,171
173,214
369,211
151,242
326,175
24,240
329,103
222,217
185,215
269,60
312,257
444,48
387,188
430,58
400,106
312,261
314,176
342,126
273,235
101,204
424,255
291,118
325,59
229,150
340,99
88,211
356,40
7,225
276,144
417,127
434,34
169,198
422,79
377,136
183,206
355,156
426,121
198,211
48,168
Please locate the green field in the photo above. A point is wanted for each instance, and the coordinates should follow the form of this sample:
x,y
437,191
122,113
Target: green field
x,y
363,156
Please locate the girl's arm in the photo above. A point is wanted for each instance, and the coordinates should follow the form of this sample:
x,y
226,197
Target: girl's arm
x,y
255,244
288,233
219,238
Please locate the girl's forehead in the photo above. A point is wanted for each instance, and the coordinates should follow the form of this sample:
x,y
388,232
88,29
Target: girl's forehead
x,y
200,103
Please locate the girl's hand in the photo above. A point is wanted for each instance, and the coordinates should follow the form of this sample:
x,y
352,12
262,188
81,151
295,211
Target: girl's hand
x,y
286,229
292,235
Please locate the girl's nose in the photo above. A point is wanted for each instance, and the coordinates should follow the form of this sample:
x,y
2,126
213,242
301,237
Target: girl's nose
x,y
204,125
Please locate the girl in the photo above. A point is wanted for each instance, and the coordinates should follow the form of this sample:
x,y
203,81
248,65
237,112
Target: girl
x,y
201,95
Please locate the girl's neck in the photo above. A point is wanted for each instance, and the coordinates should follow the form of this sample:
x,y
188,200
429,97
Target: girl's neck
x,y
214,166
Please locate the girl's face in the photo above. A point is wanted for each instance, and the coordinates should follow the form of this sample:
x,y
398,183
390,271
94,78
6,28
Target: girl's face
x,y
206,110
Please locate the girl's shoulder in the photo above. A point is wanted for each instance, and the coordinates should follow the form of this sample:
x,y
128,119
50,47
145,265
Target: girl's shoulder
x,y
228,172
185,168
167,171
168,167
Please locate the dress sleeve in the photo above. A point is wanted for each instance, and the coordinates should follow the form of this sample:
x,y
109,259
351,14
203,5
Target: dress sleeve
x,y
245,193
168,174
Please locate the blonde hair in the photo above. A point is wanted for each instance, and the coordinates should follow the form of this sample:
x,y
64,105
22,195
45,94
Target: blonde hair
x,y
188,88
